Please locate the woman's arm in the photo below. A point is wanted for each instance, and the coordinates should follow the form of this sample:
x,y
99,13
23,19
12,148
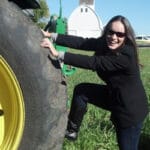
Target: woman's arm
x,y
108,63
46,43
77,42
73,41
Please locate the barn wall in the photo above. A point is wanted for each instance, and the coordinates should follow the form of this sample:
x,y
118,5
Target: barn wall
x,y
84,22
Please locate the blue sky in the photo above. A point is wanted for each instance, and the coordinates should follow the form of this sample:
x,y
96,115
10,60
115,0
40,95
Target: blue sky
x,y
138,11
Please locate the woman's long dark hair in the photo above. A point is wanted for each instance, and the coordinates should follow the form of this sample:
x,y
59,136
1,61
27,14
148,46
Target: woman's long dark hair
x,y
130,35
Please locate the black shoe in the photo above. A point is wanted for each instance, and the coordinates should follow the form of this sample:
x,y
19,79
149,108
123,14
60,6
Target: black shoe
x,y
71,135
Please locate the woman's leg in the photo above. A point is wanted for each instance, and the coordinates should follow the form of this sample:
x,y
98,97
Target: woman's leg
x,y
128,138
85,93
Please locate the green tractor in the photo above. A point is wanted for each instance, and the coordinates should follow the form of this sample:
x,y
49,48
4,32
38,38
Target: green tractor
x,y
59,25
33,114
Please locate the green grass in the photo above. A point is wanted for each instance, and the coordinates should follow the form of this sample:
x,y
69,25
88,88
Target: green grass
x,y
142,42
97,131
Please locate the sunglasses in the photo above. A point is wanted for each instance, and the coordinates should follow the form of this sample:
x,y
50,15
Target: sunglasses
x,y
118,34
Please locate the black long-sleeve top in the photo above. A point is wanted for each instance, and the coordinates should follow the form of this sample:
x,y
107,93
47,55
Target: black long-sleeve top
x,y
118,69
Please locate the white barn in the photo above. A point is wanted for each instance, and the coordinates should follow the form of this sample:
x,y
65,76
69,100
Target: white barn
x,y
83,21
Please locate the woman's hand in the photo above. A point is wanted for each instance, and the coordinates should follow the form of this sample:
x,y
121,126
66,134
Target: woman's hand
x,y
46,43
46,33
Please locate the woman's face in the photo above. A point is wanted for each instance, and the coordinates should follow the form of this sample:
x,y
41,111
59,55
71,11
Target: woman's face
x,y
115,36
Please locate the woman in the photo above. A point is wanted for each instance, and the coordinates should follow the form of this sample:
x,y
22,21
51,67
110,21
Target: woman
x,y
116,62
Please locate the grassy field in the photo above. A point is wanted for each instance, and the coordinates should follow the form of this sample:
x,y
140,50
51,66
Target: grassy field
x,y
97,131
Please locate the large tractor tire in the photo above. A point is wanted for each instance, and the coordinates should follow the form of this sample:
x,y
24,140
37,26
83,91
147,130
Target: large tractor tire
x,y
33,113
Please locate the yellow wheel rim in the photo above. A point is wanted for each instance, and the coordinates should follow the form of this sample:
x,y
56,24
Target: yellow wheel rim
x,y
12,112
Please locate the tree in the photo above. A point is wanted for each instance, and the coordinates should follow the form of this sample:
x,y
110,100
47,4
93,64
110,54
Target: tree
x,y
41,14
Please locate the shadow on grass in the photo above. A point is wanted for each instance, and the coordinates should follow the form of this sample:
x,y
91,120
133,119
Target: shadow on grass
x,y
107,126
144,143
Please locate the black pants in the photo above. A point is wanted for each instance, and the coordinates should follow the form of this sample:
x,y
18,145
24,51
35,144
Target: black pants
x,y
87,93
99,95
